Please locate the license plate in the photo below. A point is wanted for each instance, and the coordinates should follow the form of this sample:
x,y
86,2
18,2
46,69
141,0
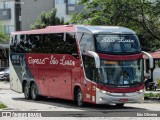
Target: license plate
x,y
123,100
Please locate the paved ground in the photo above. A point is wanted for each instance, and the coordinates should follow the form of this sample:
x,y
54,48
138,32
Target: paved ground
x,y
16,102
158,91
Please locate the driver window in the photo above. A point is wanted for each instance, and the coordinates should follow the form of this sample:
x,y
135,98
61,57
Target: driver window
x,y
91,71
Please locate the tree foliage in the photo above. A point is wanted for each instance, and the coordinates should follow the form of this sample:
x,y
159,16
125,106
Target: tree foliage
x,y
47,19
3,36
142,16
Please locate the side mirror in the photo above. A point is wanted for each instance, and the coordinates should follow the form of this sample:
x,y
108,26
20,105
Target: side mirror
x,y
150,59
96,58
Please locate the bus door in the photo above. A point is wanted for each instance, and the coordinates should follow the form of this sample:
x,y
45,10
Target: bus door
x,y
91,76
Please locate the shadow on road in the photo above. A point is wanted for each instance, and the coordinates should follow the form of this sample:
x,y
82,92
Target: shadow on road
x,y
88,107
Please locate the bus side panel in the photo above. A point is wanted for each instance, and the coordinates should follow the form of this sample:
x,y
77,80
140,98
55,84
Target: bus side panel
x,y
44,76
15,73
65,83
59,83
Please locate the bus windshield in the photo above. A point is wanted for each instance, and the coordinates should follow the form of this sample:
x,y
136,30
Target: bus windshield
x,y
121,72
117,43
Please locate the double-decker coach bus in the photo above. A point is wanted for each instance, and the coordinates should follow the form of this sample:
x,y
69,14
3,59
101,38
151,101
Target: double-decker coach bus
x,y
94,64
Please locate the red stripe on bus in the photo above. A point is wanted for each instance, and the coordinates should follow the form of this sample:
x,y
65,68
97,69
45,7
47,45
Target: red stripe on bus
x,y
120,57
120,89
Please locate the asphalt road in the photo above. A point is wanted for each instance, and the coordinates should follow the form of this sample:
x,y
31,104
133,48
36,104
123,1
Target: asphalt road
x,y
56,107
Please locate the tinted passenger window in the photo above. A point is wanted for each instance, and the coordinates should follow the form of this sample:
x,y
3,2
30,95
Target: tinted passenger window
x,y
48,43
58,43
14,43
70,45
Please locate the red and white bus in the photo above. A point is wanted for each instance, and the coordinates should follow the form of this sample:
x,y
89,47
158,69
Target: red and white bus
x,y
94,64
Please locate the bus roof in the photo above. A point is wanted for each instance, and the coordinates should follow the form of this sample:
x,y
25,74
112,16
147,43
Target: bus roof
x,y
79,28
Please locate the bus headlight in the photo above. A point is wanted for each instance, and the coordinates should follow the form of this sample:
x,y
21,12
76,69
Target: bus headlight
x,y
140,91
104,92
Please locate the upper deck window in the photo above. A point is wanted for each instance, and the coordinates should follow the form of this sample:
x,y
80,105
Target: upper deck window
x,y
56,43
117,43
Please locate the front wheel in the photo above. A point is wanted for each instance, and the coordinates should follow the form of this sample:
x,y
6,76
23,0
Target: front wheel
x,y
119,104
79,98
34,92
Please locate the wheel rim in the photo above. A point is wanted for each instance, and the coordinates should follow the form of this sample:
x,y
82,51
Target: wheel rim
x,y
26,92
80,98
33,92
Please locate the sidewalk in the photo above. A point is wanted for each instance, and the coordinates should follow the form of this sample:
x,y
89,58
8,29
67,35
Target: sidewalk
x,y
152,95
154,92
4,85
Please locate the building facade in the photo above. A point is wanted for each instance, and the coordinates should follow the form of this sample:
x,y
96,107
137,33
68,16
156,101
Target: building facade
x,y
67,7
31,9
7,15
16,15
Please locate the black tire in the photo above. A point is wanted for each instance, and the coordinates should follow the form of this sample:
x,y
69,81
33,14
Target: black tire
x,y
79,98
27,91
34,92
119,104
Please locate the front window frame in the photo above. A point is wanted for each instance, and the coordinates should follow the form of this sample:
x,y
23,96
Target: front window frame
x,y
124,85
116,53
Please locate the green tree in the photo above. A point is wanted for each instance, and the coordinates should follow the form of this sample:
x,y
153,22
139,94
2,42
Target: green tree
x,y
3,36
47,19
140,15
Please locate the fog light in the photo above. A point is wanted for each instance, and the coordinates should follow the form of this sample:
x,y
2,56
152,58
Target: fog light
x,y
100,99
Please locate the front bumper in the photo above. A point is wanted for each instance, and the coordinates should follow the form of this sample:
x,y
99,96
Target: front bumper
x,y
109,98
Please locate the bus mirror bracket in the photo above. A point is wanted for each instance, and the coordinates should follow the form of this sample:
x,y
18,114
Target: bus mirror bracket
x,y
96,58
150,59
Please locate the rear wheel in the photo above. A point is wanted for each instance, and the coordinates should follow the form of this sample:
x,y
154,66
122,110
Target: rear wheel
x,y
34,92
79,98
27,92
119,104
